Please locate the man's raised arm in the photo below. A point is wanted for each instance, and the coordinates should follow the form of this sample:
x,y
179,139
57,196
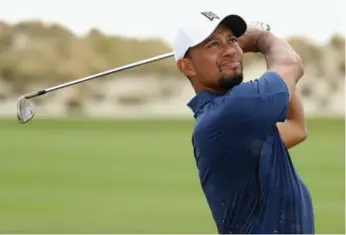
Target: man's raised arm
x,y
266,99
281,58
286,62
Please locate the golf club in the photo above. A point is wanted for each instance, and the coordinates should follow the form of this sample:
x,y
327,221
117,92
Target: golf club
x,y
26,109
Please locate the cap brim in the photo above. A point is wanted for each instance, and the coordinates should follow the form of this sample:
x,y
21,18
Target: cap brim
x,y
235,23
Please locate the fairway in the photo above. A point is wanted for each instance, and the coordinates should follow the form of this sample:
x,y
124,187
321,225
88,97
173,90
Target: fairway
x,y
84,176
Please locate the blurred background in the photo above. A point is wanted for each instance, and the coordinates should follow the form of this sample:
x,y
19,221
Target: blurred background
x,y
114,155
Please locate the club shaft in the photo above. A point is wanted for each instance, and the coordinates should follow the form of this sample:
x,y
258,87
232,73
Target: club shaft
x,y
128,66
118,69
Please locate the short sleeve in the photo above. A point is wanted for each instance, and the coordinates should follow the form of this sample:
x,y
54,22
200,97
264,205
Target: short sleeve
x,y
264,99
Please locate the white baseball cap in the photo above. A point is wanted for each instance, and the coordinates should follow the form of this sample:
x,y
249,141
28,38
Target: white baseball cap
x,y
201,25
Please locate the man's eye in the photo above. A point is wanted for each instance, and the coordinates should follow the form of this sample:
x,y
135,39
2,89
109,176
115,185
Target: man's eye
x,y
213,44
233,39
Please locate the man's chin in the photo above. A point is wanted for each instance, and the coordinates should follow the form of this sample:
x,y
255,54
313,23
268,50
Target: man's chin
x,y
227,82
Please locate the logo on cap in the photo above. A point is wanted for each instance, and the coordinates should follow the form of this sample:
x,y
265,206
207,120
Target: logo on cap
x,y
210,15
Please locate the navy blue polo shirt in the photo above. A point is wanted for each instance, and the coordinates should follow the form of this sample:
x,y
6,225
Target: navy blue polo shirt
x,y
245,170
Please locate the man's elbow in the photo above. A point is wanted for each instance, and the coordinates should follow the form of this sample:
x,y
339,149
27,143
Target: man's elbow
x,y
297,65
299,136
300,68
302,134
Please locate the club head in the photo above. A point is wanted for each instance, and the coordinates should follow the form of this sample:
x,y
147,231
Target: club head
x,y
25,110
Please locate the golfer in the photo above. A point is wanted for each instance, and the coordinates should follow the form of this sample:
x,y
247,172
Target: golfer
x,y
243,130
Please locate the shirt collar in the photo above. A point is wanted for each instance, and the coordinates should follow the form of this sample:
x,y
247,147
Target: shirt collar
x,y
201,98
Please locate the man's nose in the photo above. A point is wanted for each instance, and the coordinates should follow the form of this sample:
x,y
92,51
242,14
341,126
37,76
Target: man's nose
x,y
228,50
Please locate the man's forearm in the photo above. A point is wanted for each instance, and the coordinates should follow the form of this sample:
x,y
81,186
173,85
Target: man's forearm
x,y
277,51
281,58
279,55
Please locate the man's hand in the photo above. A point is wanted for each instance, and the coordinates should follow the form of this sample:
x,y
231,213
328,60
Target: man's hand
x,y
294,130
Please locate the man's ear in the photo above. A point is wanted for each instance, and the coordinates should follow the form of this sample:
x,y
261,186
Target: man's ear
x,y
186,67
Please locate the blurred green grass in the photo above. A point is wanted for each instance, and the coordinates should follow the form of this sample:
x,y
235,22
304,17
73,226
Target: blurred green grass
x,y
89,176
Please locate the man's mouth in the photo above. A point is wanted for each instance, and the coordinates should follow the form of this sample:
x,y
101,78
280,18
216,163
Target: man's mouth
x,y
231,64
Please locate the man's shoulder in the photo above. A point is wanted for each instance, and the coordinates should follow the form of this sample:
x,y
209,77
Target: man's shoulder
x,y
225,111
213,125
210,114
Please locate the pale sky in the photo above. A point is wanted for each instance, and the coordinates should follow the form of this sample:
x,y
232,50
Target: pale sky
x,y
317,20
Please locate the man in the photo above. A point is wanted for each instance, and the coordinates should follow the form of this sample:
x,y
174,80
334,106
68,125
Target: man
x,y
243,129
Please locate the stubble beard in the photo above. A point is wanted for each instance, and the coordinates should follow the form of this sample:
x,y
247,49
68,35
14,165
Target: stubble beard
x,y
227,82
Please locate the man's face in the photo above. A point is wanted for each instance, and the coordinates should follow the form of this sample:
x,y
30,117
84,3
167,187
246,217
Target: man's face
x,y
216,63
